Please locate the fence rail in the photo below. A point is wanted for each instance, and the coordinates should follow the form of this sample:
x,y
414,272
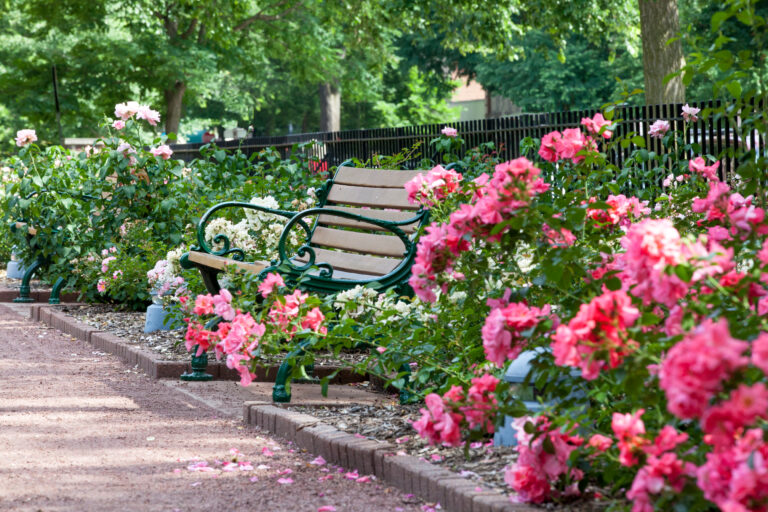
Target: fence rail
x,y
715,135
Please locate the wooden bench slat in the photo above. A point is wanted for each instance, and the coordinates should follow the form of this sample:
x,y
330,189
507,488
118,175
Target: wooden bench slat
x,y
351,262
369,196
220,262
382,245
393,216
381,178
21,225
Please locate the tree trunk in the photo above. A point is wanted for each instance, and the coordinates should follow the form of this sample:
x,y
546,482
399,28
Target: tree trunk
x,y
330,107
658,24
173,98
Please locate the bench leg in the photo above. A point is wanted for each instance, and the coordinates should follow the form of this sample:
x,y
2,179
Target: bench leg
x,y
210,280
199,365
55,297
281,390
24,288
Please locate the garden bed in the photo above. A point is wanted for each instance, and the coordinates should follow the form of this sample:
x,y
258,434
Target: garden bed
x,y
392,423
129,326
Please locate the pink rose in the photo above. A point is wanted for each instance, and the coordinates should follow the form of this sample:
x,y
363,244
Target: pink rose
x,y
659,129
163,151
449,132
24,137
118,124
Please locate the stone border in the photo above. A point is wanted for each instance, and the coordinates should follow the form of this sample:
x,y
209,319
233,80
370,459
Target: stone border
x,y
407,473
149,362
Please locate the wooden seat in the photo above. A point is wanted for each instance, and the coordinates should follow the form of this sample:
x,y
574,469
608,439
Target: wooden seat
x,y
362,232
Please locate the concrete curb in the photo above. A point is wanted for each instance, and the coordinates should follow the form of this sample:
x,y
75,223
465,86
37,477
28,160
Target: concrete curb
x,y
149,362
407,473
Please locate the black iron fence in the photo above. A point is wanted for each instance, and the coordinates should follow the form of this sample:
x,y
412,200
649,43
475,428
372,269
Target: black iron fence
x,y
715,135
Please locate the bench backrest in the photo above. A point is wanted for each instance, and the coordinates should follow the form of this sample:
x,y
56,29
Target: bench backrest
x,y
360,250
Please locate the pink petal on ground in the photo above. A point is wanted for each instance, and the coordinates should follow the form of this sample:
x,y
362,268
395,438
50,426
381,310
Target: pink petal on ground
x,y
401,440
476,445
285,472
267,452
262,467
352,475
436,457
326,508
254,479
326,477
360,436
195,484
285,481
318,461
363,479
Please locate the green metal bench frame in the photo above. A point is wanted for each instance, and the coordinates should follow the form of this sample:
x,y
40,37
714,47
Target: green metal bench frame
x,y
292,272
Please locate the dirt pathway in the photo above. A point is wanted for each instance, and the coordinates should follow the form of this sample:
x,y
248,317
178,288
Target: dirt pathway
x,y
81,432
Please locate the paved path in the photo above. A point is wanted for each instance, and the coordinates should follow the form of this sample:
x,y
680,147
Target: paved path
x,y
79,431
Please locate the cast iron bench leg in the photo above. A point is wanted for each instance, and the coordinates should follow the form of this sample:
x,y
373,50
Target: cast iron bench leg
x,y
55,297
24,288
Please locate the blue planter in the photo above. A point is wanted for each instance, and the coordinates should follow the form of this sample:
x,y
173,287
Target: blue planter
x,y
15,270
515,375
157,319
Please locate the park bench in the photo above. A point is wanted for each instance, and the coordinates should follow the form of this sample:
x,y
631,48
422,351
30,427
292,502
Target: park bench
x,y
363,233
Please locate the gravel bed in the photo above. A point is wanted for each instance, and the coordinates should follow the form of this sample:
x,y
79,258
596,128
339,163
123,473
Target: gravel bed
x,y
129,325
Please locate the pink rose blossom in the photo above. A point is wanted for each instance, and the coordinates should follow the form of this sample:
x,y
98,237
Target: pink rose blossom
x,y
690,113
595,124
548,149
269,283
700,166
125,111
600,326
163,151
760,352
149,115
203,305
502,340
449,132
101,286
570,144
434,187
695,368
24,137
600,442
659,129
118,124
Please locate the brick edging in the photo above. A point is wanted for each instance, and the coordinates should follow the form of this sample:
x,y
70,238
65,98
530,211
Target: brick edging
x,y
7,295
149,362
407,473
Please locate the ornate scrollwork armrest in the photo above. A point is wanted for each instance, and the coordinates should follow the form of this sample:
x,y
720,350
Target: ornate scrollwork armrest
x,y
326,270
227,250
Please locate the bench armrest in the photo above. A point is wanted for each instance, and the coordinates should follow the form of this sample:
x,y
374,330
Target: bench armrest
x,y
326,270
237,254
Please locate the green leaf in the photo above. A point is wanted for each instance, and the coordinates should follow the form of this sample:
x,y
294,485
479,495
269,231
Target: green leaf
x,y
639,141
613,284
718,18
734,88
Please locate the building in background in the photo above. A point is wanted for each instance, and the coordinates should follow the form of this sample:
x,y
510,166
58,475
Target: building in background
x,y
476,103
